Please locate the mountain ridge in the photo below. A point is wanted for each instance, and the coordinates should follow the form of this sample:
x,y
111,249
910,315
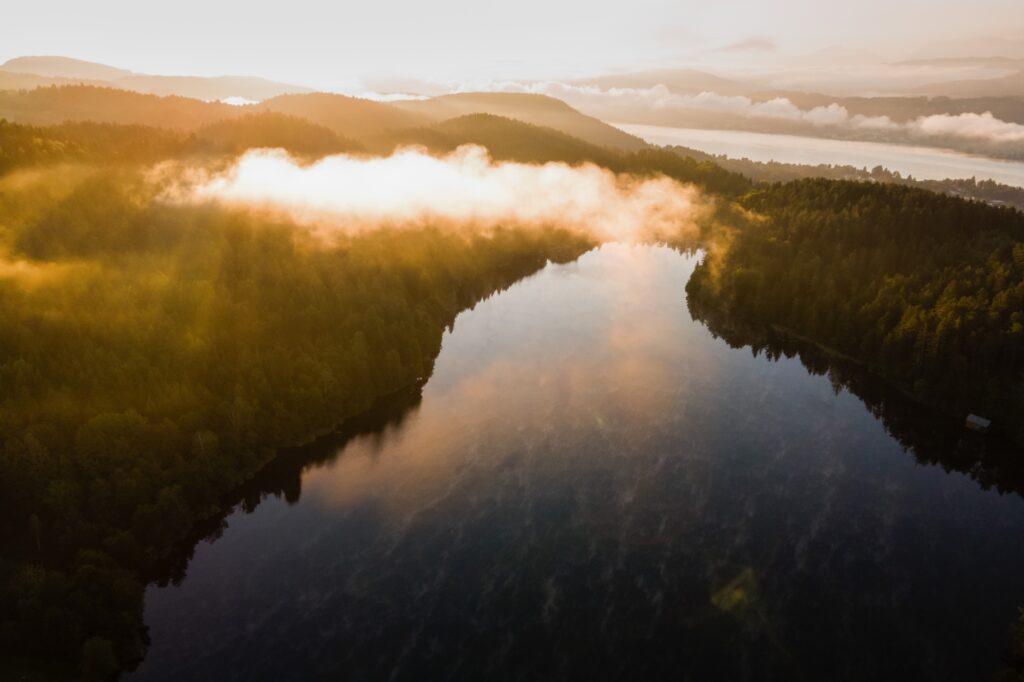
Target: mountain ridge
x,y
36,71
538,110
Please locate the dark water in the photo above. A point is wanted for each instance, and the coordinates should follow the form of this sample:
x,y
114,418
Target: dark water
x,y
594,486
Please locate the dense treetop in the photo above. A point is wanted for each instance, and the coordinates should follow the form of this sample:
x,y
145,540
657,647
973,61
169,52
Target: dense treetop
x,y
107,143
927,289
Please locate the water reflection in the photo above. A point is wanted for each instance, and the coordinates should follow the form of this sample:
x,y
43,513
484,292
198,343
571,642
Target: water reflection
x,y
282,478
552,348
932,437
591,485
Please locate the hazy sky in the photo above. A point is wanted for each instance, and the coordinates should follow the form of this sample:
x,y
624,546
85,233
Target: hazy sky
x,y
327,44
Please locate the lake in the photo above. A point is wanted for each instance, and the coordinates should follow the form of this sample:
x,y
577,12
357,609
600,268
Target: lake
x,y
592,485
924,163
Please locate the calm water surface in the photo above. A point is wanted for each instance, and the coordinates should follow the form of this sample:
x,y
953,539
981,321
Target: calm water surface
x,y
594,487
925,163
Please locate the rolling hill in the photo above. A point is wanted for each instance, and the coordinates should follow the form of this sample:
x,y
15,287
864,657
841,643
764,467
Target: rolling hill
x,y
349,116
997,62
113,144
539,110
30,72
360,120
271,129
528,127
63,67
51,105
1004,86
10,80
511,140
213,88
504,138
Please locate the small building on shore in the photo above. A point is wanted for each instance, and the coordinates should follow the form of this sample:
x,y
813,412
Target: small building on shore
x,y
976,423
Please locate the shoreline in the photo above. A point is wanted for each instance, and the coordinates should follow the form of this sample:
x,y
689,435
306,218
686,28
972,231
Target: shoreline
x,y
796,149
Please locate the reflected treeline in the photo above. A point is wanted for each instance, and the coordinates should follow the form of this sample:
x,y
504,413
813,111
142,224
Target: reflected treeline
x,y
282,477
931,436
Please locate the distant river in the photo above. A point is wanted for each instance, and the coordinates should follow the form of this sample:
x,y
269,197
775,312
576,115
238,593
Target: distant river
x,y
592,485
925,163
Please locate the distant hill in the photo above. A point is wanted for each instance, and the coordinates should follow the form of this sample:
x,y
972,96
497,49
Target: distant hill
x,y
995,62
30,72
837,55
1005,86
51,105
11,80
271,129
504,138
63,67
109,143
511,140
688,81
539,110
213,88
356,118
906,108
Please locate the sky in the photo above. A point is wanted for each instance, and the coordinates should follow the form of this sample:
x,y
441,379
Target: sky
x,y
328,44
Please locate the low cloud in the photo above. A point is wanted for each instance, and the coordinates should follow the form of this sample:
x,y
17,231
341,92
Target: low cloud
x,y
238,101
978,126
975,126
464,188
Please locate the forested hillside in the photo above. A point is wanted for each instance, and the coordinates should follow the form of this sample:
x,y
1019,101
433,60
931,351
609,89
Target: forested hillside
x,y
153,357
25,81
989,191
23,146
510,140
538,110
86,142
504,138
270,129
59,104
928,290
349,116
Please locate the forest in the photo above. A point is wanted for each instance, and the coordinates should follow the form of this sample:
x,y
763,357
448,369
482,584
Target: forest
x,y
927,290
154,357
88,142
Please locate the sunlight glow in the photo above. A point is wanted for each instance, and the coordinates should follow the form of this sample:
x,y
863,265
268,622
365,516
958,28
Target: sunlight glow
x,y
464,187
